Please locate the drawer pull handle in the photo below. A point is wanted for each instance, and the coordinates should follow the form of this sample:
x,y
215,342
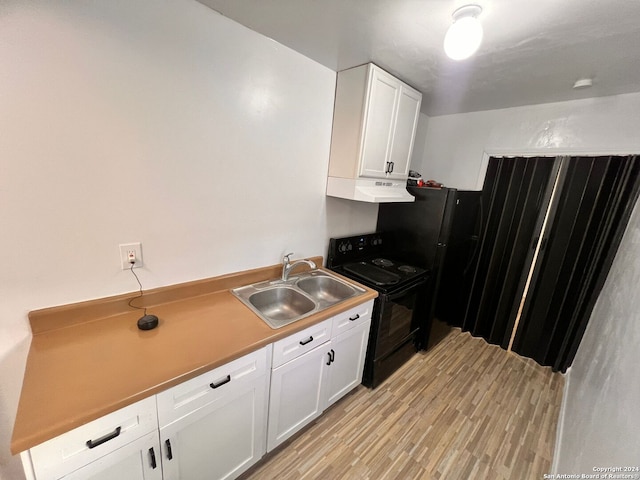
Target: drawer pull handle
x,y
167,442
355,317
152,457
106,438
308,340
221,382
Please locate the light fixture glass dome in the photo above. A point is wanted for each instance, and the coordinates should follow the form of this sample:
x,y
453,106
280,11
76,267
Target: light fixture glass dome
x,y
465,34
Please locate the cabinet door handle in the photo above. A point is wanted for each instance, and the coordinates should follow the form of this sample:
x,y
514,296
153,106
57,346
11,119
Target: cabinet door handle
x,y
332,356
221,382
169,452
355,317
386,170
392,165
152,458
308,340
106,438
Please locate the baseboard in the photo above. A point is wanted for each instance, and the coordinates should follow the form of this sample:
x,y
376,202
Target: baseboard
x,y
560,428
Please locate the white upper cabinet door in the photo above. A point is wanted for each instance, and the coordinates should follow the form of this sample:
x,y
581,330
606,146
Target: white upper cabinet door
x,y
404,133
384,95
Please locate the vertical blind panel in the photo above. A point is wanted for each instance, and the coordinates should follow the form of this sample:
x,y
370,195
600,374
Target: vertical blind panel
x,y
616,210
580,237
516,250
594,201
545,299
494,191
578,287
566,241
580,263
514,189
508,211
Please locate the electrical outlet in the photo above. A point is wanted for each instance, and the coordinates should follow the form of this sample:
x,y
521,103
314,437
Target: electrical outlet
x,y
128,251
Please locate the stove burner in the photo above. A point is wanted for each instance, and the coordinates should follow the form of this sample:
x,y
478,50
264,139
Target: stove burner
x,y
382,262
407,269
373,274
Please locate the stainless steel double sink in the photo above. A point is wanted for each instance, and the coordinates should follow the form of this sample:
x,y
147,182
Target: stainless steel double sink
x,y
280,303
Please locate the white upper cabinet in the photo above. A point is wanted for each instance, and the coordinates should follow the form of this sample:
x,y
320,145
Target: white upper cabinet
x,y
374,125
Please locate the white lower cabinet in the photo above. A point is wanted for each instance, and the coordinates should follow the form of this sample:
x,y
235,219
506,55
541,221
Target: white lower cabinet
x,y
304,386
214,426
348,352
297,394
219,424
219,441
139,460
119,441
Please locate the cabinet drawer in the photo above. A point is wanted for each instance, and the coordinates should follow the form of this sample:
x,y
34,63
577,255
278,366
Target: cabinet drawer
x,y
138,460
295,345
193,394
351,318
72,450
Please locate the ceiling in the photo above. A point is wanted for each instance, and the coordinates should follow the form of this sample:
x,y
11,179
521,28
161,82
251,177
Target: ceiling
x,y
532,52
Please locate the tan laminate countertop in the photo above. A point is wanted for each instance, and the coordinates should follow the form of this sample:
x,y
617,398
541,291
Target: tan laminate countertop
x,y
83,371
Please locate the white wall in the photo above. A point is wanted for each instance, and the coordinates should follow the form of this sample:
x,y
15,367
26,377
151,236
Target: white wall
x,y
419,144
600,421
456,145
158,122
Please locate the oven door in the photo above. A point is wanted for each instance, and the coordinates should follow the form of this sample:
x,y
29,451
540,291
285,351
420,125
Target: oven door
x,y
396,319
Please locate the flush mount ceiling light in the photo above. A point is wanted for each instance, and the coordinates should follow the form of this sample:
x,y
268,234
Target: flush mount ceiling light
x,y
465,33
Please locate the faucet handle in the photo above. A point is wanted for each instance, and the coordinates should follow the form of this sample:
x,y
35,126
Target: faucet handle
x,y
286,259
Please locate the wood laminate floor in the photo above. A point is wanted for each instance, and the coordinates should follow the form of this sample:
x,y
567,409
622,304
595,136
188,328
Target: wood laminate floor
x,y
463,410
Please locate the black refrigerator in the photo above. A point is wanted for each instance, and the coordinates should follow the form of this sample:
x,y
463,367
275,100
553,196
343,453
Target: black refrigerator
x,y
439,232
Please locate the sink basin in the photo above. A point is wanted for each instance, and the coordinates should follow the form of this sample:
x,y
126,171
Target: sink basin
x,y
326,289
281,303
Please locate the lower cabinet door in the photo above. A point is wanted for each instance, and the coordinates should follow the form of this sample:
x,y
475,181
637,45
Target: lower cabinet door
x,y
345,371
138,460
219,440
297,394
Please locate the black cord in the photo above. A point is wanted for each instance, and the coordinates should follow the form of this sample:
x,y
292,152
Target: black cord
x,y
134,298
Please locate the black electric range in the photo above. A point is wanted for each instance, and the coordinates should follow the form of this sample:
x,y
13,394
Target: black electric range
x,y
368,259
395,322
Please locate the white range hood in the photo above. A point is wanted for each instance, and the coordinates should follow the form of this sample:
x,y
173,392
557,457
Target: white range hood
x,y
372,190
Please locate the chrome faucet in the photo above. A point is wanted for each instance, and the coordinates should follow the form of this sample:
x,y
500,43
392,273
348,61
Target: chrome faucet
x,y
287,266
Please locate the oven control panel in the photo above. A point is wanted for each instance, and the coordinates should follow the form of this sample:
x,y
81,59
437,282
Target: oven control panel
x,y
349,249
